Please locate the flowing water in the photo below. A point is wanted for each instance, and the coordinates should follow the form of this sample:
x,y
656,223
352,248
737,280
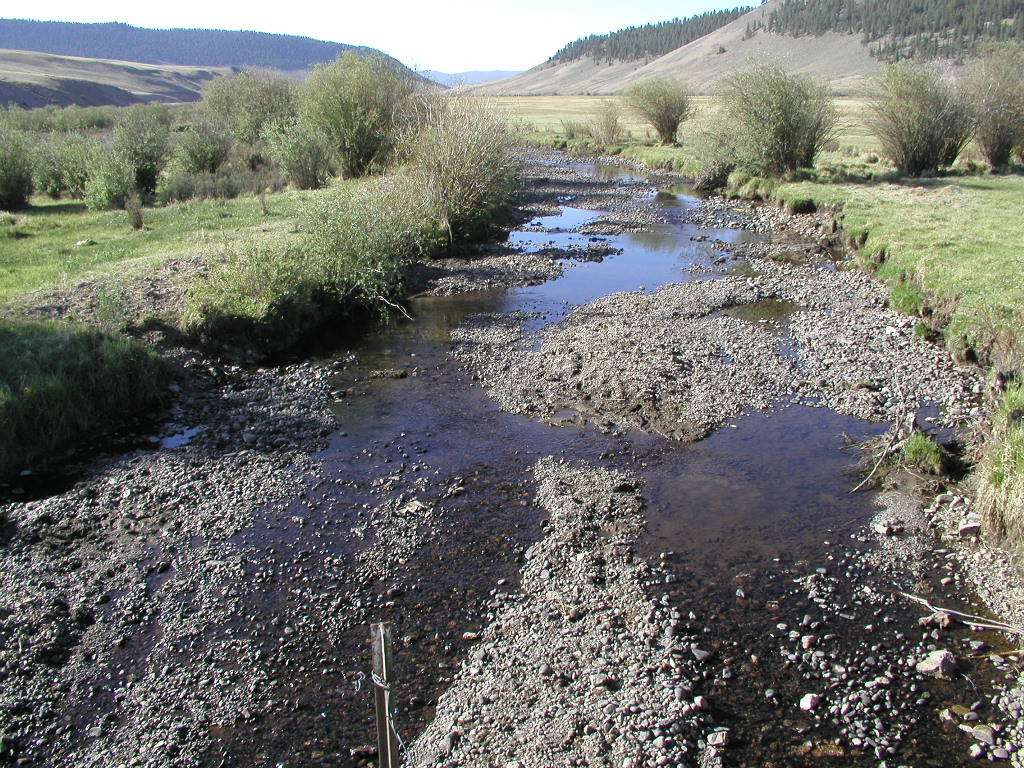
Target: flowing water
x,y
756,497
767,488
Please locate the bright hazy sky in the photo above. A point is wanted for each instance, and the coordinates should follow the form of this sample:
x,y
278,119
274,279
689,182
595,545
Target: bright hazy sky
x,y
445,35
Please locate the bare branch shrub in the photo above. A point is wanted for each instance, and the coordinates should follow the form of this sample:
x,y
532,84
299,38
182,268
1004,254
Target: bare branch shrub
x,y
462,153
604,126
663,102
778,121
996,89
921,119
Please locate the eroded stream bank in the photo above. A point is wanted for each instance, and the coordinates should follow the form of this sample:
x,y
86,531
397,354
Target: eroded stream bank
x,y
499,476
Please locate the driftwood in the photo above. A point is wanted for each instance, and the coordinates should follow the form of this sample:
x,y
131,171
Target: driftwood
x,y
975,622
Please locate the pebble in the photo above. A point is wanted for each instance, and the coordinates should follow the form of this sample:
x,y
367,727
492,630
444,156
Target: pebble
x,y
809,701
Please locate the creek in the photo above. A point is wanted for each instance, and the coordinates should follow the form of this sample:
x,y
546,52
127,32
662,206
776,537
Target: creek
x,y
419,512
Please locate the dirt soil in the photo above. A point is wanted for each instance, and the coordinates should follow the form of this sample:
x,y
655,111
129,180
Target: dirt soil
x,y
200,596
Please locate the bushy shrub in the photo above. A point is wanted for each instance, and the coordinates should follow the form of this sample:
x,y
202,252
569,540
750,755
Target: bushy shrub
x,y
111,180
81,119
573,129
251,102
15,168
361,237
995,87
202,148
462,154
63,162
266,291
141,142
362,105
663,102
776,121
604,126
921,119
178,186
304,155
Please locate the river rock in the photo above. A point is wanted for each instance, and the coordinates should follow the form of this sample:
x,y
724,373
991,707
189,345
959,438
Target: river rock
x,y
937,664
985,734
718,738
809,702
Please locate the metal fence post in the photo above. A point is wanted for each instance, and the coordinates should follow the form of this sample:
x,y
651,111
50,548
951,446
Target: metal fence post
x,y
383,676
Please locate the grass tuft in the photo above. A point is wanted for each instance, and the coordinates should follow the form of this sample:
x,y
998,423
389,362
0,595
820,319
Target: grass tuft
x,y
920,453
60,381
1000,497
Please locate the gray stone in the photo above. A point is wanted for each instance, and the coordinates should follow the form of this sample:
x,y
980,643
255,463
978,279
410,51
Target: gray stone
x,y
985,734
809,702
937,664
718,738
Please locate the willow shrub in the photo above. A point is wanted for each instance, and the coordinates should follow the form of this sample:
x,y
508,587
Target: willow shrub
x,y
921,119
663,102
462,156
248,104
776,121
363,106
16,184
996,92
63,162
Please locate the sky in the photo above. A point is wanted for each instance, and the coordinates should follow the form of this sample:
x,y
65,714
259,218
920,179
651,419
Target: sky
x,y
445,35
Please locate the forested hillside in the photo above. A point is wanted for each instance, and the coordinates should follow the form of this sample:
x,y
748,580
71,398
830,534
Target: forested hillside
x,y
898,29
197,47
648,41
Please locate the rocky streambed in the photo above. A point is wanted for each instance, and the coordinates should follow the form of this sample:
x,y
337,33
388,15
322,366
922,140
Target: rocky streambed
x,y
509,479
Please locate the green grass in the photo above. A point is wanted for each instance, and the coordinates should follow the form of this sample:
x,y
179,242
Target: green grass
x,y
921,454
59,381
956,239
1001,472
41,249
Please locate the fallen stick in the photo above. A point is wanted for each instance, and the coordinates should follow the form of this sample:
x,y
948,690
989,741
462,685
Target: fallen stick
x,y
977,622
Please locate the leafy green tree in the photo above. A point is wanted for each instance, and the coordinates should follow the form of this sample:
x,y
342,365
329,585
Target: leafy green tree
x,y
251,102
663,102
778,121
202,148
922,120
996,90
361,104
303,154
142,141
15,169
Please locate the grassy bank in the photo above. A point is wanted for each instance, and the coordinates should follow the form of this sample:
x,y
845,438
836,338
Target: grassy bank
x,y
60,381
57,243
948,248
249,272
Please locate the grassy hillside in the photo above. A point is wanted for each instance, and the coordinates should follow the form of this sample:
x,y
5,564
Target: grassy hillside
x,y
29,80
194,47
842,41
843,59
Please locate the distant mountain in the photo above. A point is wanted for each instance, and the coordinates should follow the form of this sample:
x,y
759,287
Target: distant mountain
x,y
648,41
193,47
30,79
843,41
465,78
